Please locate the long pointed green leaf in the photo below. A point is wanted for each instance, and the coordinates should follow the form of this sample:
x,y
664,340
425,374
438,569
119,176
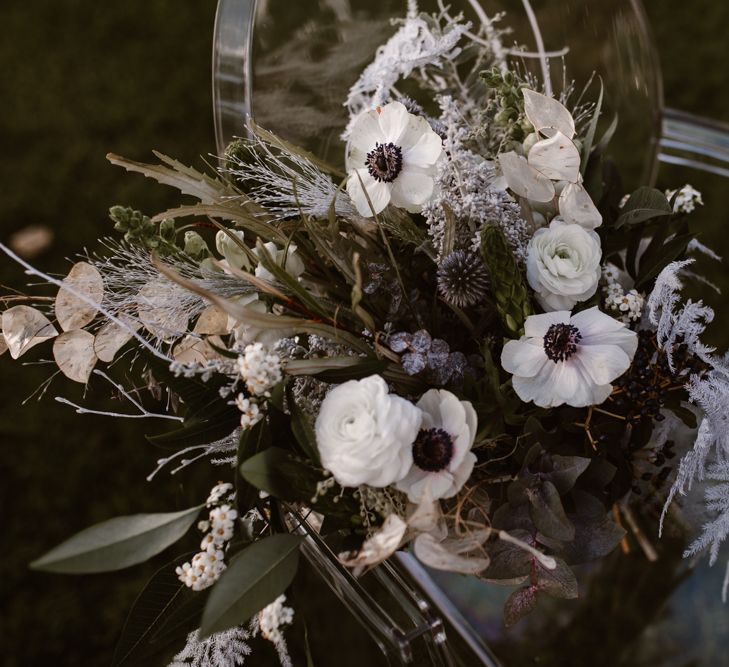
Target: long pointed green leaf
x,y
253,579
163,593
117,543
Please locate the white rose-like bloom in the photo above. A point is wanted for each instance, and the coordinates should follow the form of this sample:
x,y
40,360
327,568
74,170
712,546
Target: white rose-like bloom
x,y
563,264
562,359
365,434
442,456
392,154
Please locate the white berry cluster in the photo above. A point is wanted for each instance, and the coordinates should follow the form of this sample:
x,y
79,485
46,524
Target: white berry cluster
x,y
273,617
686,199
628,306
207,565
260,370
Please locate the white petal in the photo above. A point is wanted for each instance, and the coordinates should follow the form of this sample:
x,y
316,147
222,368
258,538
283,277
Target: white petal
x,y
412,189
3,345
539,388
536,326
73,312
576,206
598,328
463,471
572,385
378,193
74,354
603,362
523,357
366,132
383,543
430,551
545,112
426,150
394,119
429,403
556,158
24,327
556,302
524,180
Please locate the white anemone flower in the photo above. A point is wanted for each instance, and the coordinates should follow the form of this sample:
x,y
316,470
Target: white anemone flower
x,y
392,159
442,456
573,360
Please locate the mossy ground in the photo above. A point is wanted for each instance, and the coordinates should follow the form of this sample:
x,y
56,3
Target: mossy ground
x,y
81,78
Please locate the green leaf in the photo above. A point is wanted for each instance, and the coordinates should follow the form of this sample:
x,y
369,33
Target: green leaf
x,y
253,579
285,477
252,441
565,471
669,252
221,421
336,370
644,204
117,543
302,428
162,593
591,129
547,512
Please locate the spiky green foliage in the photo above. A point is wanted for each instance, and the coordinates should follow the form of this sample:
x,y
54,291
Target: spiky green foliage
x,y
507,284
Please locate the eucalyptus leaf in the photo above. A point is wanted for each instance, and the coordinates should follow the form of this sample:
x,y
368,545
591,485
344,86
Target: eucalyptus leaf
x,y
520,603
548,514
117,543
559,582
253,579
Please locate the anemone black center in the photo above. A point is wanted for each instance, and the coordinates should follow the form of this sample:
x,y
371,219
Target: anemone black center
x,y
560,341
432,449
384,162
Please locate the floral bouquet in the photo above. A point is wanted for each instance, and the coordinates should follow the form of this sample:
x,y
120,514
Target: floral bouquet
x,y
470,344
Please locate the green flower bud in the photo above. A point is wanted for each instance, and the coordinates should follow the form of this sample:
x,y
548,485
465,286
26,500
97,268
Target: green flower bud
x,y
195,245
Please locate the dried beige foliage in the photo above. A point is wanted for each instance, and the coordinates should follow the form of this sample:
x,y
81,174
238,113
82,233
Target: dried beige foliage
x,y
212,321
112,337
191,350
73,312
24,327
154,302
74,354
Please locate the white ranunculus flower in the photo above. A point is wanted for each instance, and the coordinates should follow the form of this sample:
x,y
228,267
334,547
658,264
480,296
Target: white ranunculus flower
x,y
441,454
563,264
562,359
365,434
392,154
294,265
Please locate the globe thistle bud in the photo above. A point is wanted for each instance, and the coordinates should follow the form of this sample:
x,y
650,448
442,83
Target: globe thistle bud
x,y
462,279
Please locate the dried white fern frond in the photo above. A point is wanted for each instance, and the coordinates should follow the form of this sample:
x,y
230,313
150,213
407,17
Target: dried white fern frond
x,y
223,649
716,498
678,325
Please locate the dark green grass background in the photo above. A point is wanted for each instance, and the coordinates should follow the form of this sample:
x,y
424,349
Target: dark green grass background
x,y
81,78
